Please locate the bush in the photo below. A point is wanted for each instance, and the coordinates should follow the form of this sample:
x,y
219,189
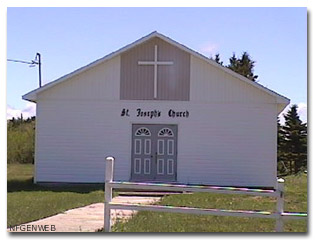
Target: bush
x,y
20,140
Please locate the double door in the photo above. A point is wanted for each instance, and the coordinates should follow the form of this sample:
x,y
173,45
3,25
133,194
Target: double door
x,y
154,152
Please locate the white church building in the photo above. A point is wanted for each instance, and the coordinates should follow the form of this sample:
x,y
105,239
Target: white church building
x,y
165,112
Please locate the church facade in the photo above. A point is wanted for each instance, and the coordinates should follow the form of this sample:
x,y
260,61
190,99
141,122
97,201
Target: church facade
x,y
165,112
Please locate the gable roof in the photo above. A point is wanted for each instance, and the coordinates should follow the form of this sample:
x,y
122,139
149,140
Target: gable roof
x,y
31,96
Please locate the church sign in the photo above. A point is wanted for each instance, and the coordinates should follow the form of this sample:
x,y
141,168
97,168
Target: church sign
x,y
125,112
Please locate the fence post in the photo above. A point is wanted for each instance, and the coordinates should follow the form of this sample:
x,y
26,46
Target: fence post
x,y
109,167
280,205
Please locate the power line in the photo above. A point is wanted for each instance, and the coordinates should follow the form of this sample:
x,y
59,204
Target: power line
x,y
20,61
37,61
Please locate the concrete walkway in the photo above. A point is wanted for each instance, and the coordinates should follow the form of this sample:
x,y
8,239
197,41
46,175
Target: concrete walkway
x,y
85,219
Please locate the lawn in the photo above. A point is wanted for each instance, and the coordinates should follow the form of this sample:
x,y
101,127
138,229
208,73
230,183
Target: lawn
x,y
295,201
28,202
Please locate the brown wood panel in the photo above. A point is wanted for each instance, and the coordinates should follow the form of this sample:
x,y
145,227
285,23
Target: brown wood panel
x,y
137,81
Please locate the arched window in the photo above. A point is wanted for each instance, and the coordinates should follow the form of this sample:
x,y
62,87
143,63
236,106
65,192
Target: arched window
x,y
166,132
143,131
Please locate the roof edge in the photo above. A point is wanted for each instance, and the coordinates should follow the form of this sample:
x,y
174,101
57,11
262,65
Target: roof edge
x,y
32,95
280,98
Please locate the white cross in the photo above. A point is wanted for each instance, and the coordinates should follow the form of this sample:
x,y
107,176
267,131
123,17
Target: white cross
x,y
155,63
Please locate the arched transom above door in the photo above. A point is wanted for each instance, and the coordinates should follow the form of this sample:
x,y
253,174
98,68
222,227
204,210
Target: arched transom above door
x,y
143,131
166,132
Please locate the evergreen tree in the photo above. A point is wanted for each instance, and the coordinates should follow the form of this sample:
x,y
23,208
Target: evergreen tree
x,y
283,167
295,141
233,63
217,59
244,66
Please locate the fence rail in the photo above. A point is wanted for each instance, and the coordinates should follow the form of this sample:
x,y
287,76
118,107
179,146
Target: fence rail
x,y
278,193
190,210
192,188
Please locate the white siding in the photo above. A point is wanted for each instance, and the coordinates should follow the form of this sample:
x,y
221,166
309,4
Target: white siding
x,y
211,84
73,140
228,139
217,144
101,82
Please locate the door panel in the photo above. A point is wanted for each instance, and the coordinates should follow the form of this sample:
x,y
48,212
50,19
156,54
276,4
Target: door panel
x,y
137,146
137,166
147,146
170,147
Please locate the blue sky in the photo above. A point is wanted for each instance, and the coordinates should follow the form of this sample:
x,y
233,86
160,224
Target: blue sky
x,y
69,38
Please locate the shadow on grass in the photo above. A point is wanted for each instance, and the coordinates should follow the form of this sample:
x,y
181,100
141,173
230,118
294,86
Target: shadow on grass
x,y
28,185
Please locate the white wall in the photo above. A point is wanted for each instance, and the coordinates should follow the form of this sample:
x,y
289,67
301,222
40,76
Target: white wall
x,y
211,84
217,144
101,82
228,139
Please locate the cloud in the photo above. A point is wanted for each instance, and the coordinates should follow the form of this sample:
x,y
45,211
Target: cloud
x,y
28,111
301,110
209,49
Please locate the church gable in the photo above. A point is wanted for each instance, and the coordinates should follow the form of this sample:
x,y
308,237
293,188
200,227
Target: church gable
x,y
155,70
156,67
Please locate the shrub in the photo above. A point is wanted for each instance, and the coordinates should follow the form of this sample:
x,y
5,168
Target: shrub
x,y
20,140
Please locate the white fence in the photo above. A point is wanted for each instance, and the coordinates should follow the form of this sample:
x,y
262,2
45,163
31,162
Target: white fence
x,y
278,193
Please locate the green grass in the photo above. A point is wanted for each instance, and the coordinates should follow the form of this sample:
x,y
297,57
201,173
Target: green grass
x,y
28,202
295,201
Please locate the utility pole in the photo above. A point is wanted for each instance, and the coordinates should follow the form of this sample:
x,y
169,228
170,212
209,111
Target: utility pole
x,y
39,68
36,61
